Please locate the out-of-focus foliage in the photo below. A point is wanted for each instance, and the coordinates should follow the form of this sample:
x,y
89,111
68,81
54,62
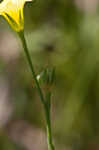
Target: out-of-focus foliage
x,y
60,35
6,143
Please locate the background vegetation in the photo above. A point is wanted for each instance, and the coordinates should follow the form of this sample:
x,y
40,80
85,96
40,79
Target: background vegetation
x,y
63,34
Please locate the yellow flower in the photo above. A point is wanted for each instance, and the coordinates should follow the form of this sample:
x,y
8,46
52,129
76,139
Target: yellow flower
x,y
12,11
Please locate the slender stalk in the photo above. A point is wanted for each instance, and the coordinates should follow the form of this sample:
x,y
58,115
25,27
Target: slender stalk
x,y
21,35
49,132
46,108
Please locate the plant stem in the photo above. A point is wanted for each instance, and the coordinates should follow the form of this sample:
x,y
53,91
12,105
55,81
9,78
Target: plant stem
x,y
46,108
49,132
21,35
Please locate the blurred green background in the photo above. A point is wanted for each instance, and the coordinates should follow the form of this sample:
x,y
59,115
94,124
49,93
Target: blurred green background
x,y
63,34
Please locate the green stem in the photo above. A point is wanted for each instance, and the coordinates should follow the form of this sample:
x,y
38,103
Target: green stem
x,y
49,132
21,35
46,108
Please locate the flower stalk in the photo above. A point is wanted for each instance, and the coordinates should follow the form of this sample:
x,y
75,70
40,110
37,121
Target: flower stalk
x,y
12,11
44,101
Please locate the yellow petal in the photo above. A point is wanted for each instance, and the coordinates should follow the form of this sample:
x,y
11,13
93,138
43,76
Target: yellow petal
x,y
12,10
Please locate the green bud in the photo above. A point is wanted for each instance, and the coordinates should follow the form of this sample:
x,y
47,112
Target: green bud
x,y
47,76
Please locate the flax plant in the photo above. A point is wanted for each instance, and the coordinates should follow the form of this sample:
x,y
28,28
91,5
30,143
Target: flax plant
x,y
12,11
